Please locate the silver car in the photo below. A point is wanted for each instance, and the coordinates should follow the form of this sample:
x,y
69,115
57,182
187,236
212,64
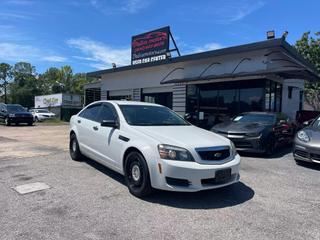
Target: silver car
x,y
307,143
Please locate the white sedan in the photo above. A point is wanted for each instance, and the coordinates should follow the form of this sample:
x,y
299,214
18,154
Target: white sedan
x,y
153,147
41,114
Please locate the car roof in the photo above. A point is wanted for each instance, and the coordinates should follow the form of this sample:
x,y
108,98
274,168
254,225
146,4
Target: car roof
x,y
122,102
261,113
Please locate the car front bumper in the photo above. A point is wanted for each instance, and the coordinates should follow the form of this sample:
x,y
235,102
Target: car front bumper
x,y
306,153
248,144
192,176
20,119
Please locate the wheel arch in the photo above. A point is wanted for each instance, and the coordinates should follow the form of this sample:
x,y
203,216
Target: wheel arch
x,y
126,153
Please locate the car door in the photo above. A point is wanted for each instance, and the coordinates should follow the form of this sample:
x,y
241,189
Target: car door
x,y
86,124
107,138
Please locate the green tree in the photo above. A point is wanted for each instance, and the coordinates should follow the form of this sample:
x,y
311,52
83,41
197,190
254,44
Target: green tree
x,y
309,47
5,76
26,84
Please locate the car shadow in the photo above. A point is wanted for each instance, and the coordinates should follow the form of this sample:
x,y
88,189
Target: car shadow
x,y
232,195
310,165
279,153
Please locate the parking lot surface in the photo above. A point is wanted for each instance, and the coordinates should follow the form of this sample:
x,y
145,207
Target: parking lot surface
x,y
276,199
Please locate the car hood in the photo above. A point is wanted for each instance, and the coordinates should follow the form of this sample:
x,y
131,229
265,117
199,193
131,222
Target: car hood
x,y
239,127
183,136
20,113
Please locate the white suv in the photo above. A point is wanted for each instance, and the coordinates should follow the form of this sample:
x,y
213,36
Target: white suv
x,y
153,147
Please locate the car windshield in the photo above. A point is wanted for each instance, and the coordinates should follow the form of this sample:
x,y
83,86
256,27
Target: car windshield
x,y
15,108
254,118
42,111
144,115
316,124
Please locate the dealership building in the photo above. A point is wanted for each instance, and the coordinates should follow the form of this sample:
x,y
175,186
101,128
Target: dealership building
x,y
214,85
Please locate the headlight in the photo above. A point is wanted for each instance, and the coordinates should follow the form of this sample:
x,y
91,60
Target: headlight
x,y
254,134
303,136
174,153
12,115
233,150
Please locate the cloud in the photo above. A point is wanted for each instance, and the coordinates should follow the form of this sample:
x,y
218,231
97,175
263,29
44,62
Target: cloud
x,y
15,15
220,11
110,7
18,52
19,2
207,47
54,58
100,55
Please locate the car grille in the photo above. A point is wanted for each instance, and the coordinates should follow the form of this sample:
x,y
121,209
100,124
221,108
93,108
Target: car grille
x,y
301,153
242,144
315,156
214,154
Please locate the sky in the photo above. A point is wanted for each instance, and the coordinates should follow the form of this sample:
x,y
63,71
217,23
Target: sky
x,y
90,35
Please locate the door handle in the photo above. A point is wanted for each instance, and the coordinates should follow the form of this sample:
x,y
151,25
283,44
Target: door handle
x,y
79,121
95,128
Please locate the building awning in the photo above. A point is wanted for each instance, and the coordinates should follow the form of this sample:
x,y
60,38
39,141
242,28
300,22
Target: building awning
x,y
276,56
280,60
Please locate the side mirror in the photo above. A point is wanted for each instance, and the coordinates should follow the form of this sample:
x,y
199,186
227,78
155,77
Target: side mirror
x,y
281,122
306,123
110,123
187,116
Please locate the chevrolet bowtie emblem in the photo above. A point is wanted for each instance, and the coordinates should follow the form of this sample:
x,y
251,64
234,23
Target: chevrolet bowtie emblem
x,y
218,154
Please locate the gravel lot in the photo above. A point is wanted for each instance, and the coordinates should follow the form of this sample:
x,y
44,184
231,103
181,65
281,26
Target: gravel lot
x,y
276,199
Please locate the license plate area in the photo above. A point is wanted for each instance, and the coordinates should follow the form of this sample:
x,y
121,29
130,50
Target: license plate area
x,y
223,175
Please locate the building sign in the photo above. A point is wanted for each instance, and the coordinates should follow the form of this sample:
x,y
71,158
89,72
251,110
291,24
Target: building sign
x,y
150,47
57,100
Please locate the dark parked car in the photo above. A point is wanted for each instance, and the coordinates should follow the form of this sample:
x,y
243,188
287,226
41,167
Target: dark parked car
x,y
307,143
15,114
259,132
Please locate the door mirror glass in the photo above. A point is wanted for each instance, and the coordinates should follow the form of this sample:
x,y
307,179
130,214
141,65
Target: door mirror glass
x,y
307,123
110,123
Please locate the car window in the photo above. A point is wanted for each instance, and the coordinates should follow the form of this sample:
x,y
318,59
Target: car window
x,y
91,112
106,113
145,115
254,118
316,124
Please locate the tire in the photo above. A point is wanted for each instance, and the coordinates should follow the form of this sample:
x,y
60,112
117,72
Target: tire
x,y
30,123
270,146
74,148
7,122
137,175
36,119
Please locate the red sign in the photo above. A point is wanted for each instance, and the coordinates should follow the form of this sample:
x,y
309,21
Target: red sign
x,y
151,46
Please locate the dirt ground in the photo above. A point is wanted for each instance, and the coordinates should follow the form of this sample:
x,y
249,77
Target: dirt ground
x,y
26,141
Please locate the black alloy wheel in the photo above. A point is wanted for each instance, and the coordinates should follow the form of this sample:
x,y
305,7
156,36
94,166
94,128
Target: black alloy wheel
x,y
137,175
270,146
74,148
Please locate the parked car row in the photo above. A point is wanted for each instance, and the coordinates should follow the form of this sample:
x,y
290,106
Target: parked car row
x,y
16,114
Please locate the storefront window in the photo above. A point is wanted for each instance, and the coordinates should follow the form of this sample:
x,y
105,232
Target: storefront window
x,y
164,98
251,99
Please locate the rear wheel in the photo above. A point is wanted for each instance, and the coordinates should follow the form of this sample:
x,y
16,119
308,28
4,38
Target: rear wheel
x,y
137,175
74,148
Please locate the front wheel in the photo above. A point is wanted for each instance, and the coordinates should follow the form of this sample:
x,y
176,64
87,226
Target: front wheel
x,y
7,122
137,175
74,148
270,146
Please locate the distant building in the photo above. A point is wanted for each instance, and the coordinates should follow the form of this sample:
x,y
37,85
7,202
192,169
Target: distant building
x,y
64,105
